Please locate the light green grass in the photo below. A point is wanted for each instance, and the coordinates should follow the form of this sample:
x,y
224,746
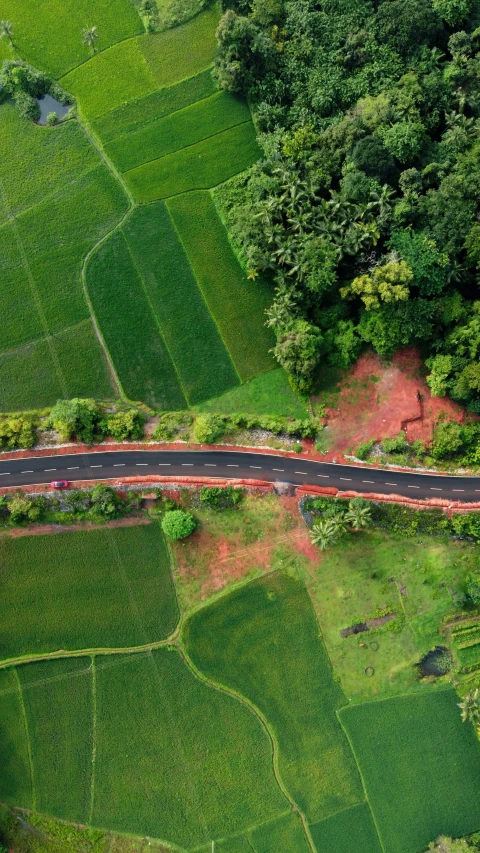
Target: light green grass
x,y
136,67
184,51
139,113
200,356
238,305
178,130
177,759
267,394
52,39
353,582
263,641
284,835
107,588
43,251
110,79
41,161
79,363
15,777
200,166
123,311
58,702
349,831
420,765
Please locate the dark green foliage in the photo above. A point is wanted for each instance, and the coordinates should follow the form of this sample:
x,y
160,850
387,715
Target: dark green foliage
x,y
26,84
395,445
220,498
106,502
389,516
473,589
369,117
75,419
177,524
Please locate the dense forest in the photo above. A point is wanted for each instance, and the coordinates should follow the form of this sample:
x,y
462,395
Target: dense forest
x,y
364,210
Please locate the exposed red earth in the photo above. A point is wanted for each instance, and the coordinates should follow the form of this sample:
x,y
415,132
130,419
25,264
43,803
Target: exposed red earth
x,y
377,400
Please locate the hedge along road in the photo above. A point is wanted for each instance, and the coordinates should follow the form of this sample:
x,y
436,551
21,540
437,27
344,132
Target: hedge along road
x,y
235,465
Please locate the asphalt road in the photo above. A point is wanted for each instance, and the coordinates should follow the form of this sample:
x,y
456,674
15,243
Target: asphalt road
x,y
234,464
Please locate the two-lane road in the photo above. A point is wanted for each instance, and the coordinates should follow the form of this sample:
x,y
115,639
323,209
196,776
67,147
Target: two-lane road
x,y
234,464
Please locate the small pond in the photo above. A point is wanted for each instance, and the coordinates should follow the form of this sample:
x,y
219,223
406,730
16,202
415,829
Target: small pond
x,y
436,662
48,105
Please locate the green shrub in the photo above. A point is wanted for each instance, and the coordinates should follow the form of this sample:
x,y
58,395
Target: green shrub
x,y
22,508
395,445
220,498
123,425
171,424
16,432
177,524
27,106
447,440
106,502
363,449
473,588
207,428
75,419
466,524
52,119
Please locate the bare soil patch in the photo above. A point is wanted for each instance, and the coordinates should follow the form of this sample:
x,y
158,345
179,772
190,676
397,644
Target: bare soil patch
x,y
376,400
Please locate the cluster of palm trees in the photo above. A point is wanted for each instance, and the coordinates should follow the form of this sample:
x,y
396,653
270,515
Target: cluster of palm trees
x,y
328,529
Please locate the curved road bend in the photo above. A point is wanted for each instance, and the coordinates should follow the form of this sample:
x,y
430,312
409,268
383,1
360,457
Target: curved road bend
x,y
234,464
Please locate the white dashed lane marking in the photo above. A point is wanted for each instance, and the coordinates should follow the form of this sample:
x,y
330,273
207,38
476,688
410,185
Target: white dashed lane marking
x,y
391,484
259,467
119,465
74,468
96,466
301,472
278,469
26,472
210,465
433,489
347,479
413,487
141,464
368,481
164,464
4,473
50,469
325,476
187,464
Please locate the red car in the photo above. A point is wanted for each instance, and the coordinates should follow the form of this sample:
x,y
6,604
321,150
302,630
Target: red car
x,y
59,484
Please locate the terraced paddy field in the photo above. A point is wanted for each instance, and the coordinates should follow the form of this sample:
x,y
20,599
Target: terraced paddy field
x,y
89,265
220,720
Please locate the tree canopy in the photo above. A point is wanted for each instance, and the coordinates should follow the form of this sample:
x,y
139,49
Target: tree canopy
x,y
363,211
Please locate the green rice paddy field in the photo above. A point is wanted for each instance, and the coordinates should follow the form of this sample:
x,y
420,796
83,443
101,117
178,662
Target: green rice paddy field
x,y
176,322
223,723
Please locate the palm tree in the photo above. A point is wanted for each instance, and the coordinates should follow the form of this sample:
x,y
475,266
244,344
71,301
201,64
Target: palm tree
x,y
6,29
324,533
358,514
90,36
470,707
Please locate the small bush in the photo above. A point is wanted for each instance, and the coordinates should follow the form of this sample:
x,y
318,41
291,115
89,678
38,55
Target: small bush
x,y
75,419
52,119
177,524
220,498
123,425
363,450
16,432
27,106
395,445
207,428
170,424
473,588
22,508
106,502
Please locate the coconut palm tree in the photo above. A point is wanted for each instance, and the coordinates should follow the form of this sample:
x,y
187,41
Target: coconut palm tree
x,y
6,29
90,36
470,707
324,533
358,514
